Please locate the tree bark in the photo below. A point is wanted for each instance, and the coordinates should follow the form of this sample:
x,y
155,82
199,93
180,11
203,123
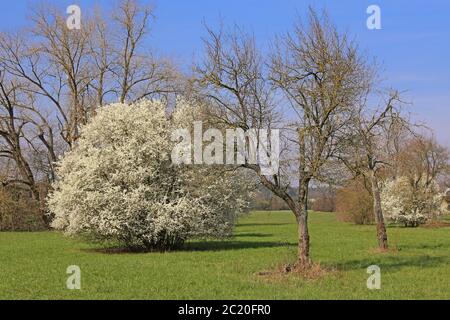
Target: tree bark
x,y
302,215
304,259
381,228
300,210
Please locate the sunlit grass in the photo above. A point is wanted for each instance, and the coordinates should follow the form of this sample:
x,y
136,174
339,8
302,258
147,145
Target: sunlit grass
x,y
33,265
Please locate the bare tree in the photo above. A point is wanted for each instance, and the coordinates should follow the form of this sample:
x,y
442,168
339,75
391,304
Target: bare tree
x,y
45,82
423,160
101,50
138,72
369,150
321,76
53,79
68,51
14,143
75,71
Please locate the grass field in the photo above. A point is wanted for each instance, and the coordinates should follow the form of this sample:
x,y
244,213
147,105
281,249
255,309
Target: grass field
x,y
33,265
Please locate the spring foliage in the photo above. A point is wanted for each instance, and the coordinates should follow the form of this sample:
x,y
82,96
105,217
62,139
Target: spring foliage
x,y
119,182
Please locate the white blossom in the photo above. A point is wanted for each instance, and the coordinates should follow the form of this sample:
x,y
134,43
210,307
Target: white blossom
x,y
410,202
119,182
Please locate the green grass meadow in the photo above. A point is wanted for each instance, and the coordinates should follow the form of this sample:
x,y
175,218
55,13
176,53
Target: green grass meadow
x,y
33,265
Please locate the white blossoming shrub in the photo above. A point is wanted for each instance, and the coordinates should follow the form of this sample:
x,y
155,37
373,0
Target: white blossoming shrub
x,y
409,204
119,183
446,202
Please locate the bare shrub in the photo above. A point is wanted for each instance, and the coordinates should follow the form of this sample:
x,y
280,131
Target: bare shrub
x,y
354,203
19,212
325,201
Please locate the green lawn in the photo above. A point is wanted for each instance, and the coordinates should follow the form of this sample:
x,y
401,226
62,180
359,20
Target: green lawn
x,y
33,265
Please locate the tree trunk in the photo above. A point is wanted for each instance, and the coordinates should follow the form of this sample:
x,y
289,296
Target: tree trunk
x,y
381,228
37,198
302,215
304,259
303,241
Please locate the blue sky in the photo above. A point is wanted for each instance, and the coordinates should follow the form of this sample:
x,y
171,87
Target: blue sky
x,y
413,45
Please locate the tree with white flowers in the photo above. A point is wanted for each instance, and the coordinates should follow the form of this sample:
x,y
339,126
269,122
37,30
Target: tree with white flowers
x,y
119,183
410,204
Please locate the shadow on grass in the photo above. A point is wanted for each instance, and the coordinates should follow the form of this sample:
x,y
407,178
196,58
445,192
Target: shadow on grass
x,y
391,263
434,246
233,245
253,234
263,224
116,250
198,246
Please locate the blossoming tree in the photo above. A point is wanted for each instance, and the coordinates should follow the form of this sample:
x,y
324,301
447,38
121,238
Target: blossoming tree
x,y
120,184
410,204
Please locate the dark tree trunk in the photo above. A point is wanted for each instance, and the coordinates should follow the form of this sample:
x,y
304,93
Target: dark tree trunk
x,y
304,259
302,210
303,240
381,228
